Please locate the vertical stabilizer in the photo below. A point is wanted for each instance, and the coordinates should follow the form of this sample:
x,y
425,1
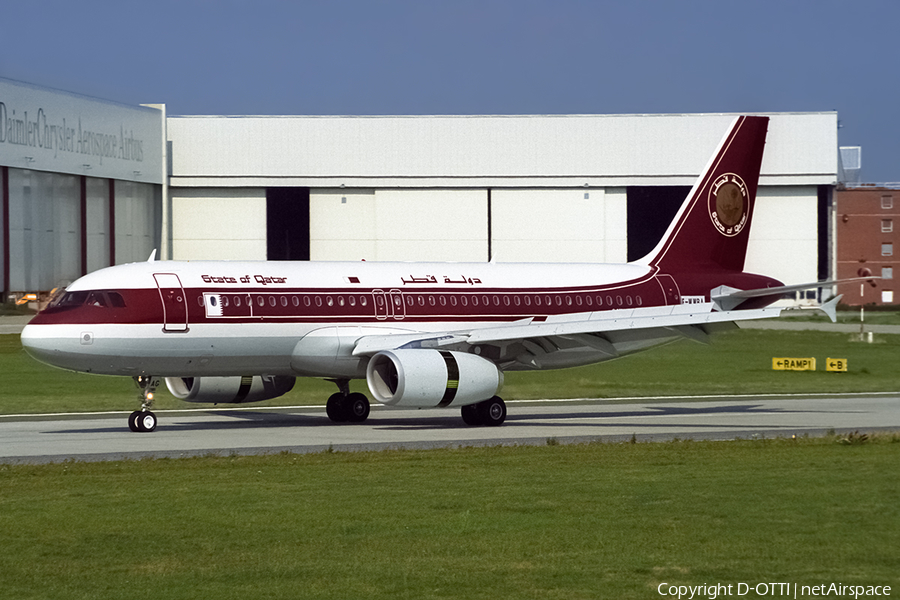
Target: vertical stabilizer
x,y
711,229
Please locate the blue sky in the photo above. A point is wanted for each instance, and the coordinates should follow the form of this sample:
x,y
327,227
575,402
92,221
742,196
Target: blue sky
x,y
475,57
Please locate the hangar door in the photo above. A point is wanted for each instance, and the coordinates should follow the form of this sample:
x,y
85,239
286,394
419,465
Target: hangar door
x,y
650,211
287,223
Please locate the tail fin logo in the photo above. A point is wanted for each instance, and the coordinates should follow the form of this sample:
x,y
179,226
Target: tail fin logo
x,y
729,204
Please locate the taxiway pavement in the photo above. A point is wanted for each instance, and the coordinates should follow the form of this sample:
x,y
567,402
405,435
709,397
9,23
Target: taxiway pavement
x,y
92,437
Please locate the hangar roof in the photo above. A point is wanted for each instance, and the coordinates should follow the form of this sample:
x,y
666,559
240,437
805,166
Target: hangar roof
x,y
485,151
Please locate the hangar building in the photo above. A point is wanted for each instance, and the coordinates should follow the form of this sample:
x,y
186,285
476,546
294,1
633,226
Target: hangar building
x,y
81,184
573,188
547,188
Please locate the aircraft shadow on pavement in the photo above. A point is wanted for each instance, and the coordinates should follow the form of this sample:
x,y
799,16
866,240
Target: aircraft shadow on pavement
x,y
382,420
588,418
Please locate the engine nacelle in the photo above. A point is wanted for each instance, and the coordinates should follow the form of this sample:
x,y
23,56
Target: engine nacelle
x,y
431,378
229,390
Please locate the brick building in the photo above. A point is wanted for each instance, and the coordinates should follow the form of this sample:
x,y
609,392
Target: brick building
x,y
867,236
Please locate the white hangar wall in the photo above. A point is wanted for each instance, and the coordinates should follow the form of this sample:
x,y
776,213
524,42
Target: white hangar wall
x,y
470,188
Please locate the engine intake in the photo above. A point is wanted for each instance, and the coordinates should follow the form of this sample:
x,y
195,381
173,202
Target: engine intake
x,y
229,390
431,378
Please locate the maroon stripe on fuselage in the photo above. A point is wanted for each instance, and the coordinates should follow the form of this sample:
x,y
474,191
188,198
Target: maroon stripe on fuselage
x,y
353,306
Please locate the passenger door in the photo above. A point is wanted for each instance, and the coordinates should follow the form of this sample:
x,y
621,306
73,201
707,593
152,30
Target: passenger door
x,y
174,302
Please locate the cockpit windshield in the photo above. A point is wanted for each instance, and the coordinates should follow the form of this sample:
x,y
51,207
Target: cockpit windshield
x,y
95,298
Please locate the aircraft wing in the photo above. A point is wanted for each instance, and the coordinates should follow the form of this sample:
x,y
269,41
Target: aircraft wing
x,y
558,341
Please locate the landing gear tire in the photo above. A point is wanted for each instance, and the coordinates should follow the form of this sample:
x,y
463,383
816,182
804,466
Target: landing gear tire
x,y
470,414
492,412
356,407
133,421
334,408
142,421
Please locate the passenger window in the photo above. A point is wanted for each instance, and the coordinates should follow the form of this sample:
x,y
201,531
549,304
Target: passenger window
x,y
271,300
351,300
474,301
363,301
319,301
200,300
306,301
284,300
237,300
295,301
452,300
628,300
329,300
340,301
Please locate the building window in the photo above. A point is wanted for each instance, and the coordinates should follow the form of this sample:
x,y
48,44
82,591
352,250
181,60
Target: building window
x,y
887,249
887,202
887,225
887,272
887,297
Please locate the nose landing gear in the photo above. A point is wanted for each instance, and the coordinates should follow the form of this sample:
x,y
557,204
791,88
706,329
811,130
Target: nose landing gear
x,y
144,421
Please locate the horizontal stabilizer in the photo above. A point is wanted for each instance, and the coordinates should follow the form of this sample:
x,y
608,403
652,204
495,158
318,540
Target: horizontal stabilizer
x,y
728,298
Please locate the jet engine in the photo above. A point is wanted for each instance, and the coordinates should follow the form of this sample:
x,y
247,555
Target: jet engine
x,y
431,378
229,390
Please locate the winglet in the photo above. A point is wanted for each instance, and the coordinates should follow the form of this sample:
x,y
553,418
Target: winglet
x,y
830,308
152,256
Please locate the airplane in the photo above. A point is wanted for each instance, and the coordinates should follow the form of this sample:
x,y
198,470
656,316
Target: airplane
x,y
425,335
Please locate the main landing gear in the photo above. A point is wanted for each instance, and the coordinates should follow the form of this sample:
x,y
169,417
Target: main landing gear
x,y
347,407
144,421
490,412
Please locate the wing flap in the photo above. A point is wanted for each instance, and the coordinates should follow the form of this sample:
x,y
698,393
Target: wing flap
x,y
699,314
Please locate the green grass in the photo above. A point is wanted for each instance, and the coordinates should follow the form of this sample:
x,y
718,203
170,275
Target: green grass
x,y
873,316
15,310
737,362
568,522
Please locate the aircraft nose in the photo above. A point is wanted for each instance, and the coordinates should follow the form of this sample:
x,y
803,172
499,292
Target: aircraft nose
x,y
34,344
43,344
